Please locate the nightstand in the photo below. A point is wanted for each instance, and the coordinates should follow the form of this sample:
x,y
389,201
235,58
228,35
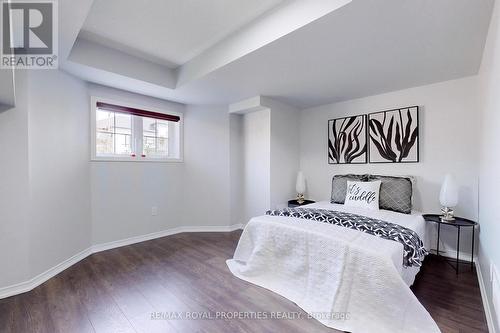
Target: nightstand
x,y
458,223
295,203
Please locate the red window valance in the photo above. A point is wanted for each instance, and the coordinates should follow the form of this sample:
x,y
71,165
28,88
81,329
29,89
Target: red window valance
x,y
137,112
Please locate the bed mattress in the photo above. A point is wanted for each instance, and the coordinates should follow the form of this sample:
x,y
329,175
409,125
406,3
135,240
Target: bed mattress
x,y
346,279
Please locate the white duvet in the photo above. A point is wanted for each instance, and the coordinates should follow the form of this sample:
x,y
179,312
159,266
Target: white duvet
x,y
348,280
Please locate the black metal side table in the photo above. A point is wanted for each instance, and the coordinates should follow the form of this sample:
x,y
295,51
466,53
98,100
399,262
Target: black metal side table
x,y
295,203
458,223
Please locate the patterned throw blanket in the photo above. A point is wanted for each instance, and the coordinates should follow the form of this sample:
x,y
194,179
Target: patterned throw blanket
x,y
413,247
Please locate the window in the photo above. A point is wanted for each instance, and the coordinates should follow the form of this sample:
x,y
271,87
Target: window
x,y
113,133
125,133
155,137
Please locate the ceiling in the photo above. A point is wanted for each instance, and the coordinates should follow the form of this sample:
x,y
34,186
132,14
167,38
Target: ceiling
x,y
168,32
366,48
305,53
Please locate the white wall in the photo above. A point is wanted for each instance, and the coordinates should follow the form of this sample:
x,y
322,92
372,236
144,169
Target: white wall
x,y
285,152
58,168
449,130
7,93
55,202
257,162
489,176
236,169
123,193
14,188
44,191
192,193
206,162
264,156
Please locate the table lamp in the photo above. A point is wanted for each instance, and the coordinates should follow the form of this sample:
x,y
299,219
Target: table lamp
x,y
448,197
300,187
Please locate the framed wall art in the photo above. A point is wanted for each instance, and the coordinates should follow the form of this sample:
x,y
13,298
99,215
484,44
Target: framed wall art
x,y
347,140
393,136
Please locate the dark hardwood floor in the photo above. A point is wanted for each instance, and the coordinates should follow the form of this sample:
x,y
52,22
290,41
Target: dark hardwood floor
x,y
121,290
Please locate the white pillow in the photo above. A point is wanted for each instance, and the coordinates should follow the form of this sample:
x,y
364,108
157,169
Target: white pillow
x,y
363,194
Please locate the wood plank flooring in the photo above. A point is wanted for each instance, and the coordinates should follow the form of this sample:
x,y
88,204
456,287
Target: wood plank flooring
x,y
121,290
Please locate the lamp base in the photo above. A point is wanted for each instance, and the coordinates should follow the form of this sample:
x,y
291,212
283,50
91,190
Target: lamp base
x,y
300,198
447,214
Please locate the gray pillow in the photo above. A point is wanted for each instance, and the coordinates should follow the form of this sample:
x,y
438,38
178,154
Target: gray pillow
x,y
339,186
395,193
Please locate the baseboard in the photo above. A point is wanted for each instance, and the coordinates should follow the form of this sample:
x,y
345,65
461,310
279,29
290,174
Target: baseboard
x,y
133,240
29,285
160,234
486,303
41,278
484,297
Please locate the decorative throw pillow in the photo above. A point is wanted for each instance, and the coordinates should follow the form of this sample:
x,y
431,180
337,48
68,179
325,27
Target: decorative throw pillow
x,y
395,193
339,186
363,194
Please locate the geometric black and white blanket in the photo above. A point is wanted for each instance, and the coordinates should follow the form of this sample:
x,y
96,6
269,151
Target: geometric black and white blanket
x,y
413,247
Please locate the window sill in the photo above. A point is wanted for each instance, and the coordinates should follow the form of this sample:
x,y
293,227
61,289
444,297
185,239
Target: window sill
x,y
135,160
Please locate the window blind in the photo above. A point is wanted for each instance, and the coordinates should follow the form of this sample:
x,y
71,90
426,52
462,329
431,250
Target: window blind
x,y
137,112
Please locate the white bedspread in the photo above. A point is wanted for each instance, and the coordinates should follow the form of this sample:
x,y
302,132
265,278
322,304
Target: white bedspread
x,y
329,270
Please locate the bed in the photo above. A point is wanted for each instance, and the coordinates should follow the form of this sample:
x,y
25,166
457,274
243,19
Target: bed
x,y
347,279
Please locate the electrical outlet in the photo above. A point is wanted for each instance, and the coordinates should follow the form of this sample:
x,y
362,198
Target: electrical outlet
x,y
154,211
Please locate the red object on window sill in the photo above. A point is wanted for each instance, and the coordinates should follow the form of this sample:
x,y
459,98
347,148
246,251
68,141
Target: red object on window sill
x,y
133,155
143,155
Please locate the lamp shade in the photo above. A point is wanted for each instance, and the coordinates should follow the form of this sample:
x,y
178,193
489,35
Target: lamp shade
x,y
300,185
449,192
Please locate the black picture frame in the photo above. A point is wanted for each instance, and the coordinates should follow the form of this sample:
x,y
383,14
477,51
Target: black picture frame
x,y
383,136
358,132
